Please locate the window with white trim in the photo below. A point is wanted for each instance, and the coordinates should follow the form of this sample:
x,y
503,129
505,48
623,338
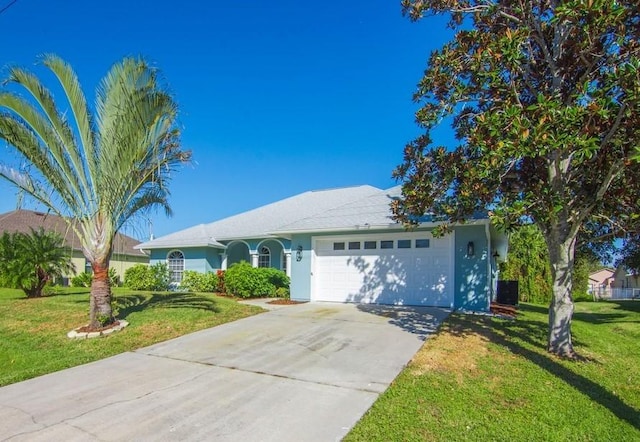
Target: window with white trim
x,y
175,262
264,257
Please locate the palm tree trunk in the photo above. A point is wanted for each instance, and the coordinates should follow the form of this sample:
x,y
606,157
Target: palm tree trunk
x,y
100,313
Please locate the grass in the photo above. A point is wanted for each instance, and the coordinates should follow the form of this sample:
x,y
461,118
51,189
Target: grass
x,y
488,379
34,331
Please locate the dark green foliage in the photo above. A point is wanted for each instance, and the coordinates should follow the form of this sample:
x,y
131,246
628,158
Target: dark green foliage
x,y
245,281
630,256
276,277
199,282
283,292
528,263
30,261
144,277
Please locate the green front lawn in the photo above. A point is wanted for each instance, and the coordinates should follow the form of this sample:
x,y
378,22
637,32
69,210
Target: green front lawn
x,y
484,379
33,331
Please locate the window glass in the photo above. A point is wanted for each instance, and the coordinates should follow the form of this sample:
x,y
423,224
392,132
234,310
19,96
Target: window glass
x,y
404,243
175,262
338,246
386,244
264,257
422,243
354,245
370,245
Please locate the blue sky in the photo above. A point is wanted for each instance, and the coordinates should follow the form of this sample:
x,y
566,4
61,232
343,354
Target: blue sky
x,y
276,97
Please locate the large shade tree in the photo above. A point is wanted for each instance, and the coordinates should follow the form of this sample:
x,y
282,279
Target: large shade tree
x,y
97,167
544,99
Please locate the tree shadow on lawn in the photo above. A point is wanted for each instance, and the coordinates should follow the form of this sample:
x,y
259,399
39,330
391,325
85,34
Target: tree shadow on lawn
x,y
132,303
628,305
516,335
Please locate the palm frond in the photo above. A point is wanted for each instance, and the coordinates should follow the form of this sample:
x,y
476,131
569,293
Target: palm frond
x,y
37,141
44,98
76,98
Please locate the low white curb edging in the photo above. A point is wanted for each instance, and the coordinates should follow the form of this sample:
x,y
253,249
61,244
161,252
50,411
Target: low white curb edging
x,y
75,334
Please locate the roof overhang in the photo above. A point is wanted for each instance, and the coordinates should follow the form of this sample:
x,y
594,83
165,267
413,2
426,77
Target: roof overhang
x,y
366,227
181,244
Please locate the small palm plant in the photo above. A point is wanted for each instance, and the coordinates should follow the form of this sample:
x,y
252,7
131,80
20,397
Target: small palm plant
x,y
30,261
97,167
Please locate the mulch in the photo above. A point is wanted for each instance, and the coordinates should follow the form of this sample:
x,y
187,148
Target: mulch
x,y
87,329
284,302
504,309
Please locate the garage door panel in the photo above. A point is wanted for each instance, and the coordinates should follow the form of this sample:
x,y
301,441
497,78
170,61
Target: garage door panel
x,y
408,276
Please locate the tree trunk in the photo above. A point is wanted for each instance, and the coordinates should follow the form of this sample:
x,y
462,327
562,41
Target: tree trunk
x,y
100,313
561,256
35,290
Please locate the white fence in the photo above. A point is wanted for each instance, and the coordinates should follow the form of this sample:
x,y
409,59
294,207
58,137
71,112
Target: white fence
x,y
617,293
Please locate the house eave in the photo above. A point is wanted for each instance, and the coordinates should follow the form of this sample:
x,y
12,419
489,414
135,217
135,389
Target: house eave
x,y
367,227
181,245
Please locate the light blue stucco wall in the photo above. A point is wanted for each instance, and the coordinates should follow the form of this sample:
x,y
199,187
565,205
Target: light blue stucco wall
x,y
238,251
200,259
209,259
300,288
472,280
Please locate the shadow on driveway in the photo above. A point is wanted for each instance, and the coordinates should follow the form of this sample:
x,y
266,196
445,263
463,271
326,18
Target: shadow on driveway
x,y
421,321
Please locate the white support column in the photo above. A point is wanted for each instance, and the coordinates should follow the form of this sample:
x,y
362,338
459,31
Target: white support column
x,y
254,259
223,261
287,263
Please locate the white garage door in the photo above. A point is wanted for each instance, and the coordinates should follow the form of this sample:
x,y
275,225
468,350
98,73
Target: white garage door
x,y
402,269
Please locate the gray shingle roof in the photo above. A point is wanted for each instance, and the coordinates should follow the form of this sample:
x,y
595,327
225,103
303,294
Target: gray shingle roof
x,y
370,211
23,220
309,210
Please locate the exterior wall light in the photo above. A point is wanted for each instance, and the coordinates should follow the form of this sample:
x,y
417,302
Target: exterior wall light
x,y
471,248
299,253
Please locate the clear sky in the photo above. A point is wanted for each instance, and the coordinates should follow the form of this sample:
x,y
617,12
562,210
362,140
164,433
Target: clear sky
x,y
277,97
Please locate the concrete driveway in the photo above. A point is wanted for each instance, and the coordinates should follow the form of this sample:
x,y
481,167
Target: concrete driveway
x,y
305,372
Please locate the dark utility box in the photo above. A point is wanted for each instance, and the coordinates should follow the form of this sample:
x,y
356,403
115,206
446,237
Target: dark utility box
x,y
507,292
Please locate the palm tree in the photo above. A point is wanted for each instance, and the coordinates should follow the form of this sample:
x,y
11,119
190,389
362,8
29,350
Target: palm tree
x,y
97,169
29,261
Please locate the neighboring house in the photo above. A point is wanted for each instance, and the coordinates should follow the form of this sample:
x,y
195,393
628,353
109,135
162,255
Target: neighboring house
x,y
620,283
600,282
624,279
341,245
124,255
